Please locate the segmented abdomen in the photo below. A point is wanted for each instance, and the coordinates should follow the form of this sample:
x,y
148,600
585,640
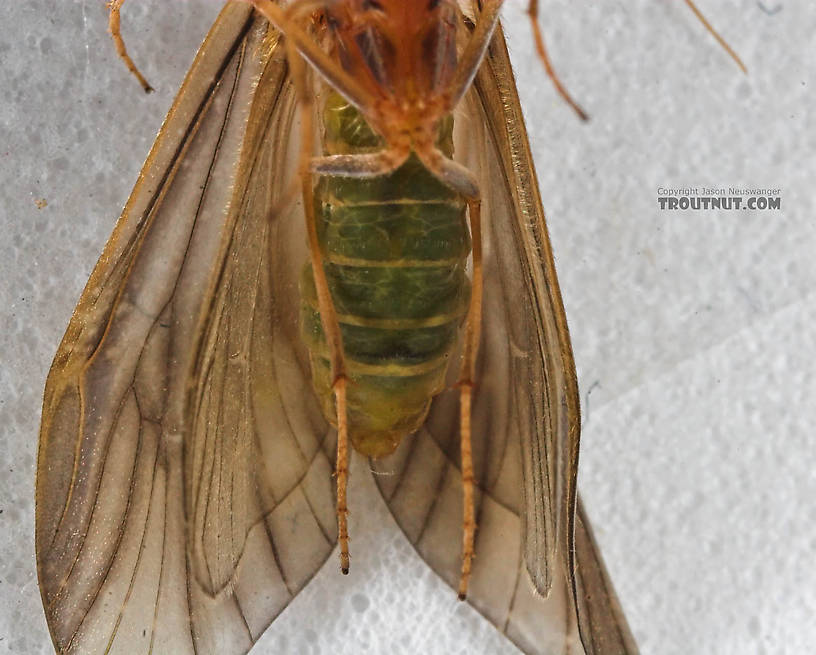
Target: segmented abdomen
x,y
395,250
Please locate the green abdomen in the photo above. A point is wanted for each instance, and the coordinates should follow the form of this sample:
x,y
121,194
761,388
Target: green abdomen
x,y
395,250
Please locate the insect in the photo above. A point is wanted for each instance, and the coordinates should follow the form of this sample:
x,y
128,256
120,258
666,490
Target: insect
x,y
209,384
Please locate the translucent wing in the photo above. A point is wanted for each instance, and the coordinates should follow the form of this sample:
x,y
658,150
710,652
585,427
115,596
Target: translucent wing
x,y
603,626
184,495
526,416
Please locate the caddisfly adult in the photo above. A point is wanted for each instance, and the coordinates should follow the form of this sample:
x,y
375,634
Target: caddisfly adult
x,y
338,222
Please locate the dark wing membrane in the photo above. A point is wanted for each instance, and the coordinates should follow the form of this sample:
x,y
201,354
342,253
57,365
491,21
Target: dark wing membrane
x,y
603,625
526,420
153,533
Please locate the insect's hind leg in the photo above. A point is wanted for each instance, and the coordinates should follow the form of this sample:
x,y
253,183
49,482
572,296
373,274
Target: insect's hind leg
x,y
462,180
351,166
466,383
114,26
365,165
325,305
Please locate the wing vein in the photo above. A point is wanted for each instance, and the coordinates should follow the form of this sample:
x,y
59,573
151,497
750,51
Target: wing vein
x,y
440,484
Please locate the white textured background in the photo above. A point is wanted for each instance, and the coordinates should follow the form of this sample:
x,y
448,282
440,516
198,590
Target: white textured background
x,y
694,331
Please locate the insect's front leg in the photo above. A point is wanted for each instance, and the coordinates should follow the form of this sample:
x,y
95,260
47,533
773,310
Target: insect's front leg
x,y
474,52
716,35
114,7
538,38
328,68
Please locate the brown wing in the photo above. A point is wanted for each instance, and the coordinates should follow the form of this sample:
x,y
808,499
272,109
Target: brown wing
x,y
183,497
603,625
526,416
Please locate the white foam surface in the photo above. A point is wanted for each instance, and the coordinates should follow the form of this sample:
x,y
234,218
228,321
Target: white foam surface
x,y
693,331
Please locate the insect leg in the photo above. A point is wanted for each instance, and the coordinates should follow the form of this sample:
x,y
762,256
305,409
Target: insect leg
x,y
325,305
716,35
532,12
466,382
115,6
358,166
361,165
474,52
459,178
338,79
